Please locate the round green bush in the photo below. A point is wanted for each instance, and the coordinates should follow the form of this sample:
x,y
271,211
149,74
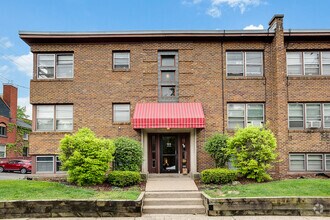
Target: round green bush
x,y
218,176
253,151
124,178
216,146
128,154
86,157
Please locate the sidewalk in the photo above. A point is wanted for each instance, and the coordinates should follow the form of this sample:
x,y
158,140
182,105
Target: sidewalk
x,y
194,217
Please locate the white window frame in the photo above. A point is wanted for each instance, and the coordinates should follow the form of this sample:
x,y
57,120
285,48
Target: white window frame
x,y
321,63
305,113
245,74
114,60
5,152
303,66
54,128
322,162
45,162
55,55
296,128
304,162
245,122
114,112
326,158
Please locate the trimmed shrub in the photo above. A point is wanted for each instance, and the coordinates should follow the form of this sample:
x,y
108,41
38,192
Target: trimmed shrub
x,y
218,176
128,154
124,178
216,146
86,157
253,151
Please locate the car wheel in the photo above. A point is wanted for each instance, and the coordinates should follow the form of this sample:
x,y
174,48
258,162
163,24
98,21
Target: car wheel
x,y
1,169
23,171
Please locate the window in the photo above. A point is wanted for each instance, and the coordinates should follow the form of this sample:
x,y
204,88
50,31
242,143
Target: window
x,y
244,63
327,162
58,164
242,115
48,114
25,136
294,63
309,115
309,162
2,151
121,60
168,80
314,162
3,130
121,113
308,63
297,162
51,66
45,164
296,115
25,152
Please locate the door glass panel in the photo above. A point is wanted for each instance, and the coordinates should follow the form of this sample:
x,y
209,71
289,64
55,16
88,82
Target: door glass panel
x,y
169,151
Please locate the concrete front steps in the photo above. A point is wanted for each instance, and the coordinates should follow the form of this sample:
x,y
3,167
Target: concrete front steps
x,y
185,202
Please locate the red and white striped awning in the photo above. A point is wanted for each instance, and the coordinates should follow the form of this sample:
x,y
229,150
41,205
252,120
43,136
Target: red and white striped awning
x,y
168,115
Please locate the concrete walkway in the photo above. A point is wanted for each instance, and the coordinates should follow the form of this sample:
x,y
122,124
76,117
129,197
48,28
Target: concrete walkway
x,y
175,182
195,217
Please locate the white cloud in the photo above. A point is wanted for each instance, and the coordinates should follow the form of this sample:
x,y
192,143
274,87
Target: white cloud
x,y
25,102
253,27
214,12
24,63
241,4
191,2
5,42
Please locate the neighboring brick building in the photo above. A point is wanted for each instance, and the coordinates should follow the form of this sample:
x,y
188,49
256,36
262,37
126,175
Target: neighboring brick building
x,y
173,89
13,143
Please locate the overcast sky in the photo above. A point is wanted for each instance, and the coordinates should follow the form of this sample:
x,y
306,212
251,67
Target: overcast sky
x,y
111,15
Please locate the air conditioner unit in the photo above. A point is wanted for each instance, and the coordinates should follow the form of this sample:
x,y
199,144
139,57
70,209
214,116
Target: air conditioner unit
x,y
255,123
313,124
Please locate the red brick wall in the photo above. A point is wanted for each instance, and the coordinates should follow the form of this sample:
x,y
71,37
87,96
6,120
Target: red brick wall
x,y
202,78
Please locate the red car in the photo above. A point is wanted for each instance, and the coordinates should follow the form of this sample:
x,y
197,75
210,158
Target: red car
x,y
23,166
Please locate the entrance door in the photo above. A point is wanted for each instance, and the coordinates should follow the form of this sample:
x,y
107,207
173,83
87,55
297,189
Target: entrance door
x,y
168,153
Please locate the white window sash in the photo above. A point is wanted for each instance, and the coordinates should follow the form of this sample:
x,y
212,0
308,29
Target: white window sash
x,y
52,171
291,160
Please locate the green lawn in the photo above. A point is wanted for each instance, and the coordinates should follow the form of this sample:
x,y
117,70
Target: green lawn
x,y
293,187
31,190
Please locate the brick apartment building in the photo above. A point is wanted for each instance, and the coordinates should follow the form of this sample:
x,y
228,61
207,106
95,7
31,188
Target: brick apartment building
x,y
172,90
13,143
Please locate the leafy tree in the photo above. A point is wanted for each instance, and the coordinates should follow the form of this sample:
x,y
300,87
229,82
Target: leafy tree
x,y
21,112
128,155
216,146
86,157
253,150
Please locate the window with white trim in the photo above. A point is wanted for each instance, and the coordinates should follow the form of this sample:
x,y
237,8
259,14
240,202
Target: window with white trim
x,y
309,115
121,113
55,66
244,63
2,151
312,162
308,63
297,162
121,60
327,162
3,130
242,115
45,164
54,118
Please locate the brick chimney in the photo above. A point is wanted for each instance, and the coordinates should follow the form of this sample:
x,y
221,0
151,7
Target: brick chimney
x,y
10,97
